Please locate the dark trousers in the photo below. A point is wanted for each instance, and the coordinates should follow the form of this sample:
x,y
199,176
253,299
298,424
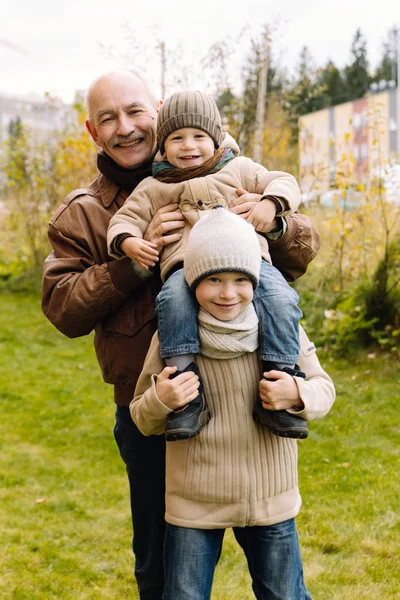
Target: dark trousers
x,y
144,458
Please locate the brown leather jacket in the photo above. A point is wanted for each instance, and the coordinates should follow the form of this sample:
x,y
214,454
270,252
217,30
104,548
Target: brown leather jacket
x,y
84,289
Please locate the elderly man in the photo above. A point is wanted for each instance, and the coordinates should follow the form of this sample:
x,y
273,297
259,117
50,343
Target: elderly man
x,y
85,289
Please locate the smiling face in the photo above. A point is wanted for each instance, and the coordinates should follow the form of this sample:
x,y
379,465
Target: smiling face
x,y
188,147
225,295
122,118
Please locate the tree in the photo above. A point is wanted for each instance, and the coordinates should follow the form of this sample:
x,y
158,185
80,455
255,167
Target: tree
x,y
246,106
356,73
278,150
304,93
16,169
37,178
332,84
387,67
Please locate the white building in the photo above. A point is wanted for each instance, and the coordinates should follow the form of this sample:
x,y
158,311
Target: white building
x,y
41,115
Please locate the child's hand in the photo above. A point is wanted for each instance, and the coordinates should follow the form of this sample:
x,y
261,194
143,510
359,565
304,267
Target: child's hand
x,y
142,252
176,393
244,203
280,394
262,215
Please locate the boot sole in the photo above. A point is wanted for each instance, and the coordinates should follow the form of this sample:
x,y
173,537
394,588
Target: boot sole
x,y
173,435
287,432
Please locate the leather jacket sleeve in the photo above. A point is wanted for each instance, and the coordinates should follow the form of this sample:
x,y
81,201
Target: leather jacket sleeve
x,y
78,293
298,246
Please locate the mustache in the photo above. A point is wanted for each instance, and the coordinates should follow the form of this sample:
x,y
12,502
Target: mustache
x,y
124,139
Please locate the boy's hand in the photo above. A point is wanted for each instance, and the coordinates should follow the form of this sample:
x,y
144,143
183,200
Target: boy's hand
x,y
280,394
261,214
165,220
143,253
176,393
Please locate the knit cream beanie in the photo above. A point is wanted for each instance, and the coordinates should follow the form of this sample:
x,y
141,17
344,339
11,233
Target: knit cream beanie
x,y
189,109
222,241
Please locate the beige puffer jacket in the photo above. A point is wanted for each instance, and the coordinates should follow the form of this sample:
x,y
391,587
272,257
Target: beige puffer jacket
x,y
195,196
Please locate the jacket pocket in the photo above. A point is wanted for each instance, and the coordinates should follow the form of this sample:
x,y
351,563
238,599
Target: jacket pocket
x,y
132,315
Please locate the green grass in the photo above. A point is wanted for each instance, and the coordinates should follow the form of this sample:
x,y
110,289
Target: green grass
x,y
64,506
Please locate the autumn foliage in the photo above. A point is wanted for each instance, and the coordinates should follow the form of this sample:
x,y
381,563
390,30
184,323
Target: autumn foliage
x,y
37,176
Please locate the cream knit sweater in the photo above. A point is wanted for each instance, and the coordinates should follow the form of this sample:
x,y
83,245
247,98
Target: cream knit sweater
x,y
235,473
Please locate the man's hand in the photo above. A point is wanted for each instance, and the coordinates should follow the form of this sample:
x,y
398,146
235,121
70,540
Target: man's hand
x,y
176,393
261,214
142,252
280,394
166,219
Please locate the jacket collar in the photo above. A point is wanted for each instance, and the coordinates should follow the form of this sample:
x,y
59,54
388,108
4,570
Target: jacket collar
x,y
108,190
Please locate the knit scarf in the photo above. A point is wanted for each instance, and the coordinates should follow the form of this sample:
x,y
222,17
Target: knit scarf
x,y
127,179
164,171
228,339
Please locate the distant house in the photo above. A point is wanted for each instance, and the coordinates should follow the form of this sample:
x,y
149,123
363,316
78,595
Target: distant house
x,y
360,136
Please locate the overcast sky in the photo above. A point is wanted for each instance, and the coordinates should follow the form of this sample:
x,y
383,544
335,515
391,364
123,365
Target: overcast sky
x,y
47,46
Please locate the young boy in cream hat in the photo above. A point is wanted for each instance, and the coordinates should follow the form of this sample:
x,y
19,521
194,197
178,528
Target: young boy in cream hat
x,y
236,473
198,172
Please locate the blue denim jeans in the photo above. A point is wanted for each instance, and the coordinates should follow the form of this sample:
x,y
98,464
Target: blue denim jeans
x,y
144,458
275,302
272,553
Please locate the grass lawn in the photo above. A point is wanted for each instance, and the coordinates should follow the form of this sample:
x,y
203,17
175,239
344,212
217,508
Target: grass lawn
x,y
64,509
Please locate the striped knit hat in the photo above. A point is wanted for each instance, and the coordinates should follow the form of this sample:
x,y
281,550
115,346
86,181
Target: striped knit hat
x,y
221,241
189,109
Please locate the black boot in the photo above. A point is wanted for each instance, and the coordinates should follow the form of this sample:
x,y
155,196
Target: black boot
x,y
188,421
280,422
